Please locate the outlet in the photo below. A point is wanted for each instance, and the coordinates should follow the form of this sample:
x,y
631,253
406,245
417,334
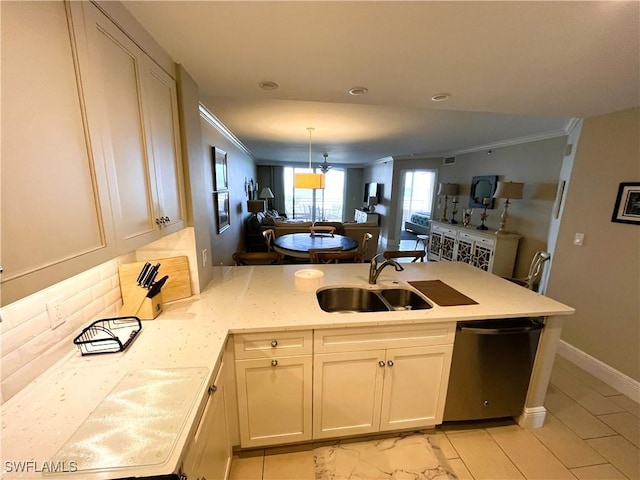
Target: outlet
x,y
57,312
205,257
578,239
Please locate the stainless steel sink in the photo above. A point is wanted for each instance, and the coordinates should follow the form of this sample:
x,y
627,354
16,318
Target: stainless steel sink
x,y
403,299
361,300
350,300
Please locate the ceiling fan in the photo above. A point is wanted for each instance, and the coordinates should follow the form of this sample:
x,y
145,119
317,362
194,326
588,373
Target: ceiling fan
x,y
325,167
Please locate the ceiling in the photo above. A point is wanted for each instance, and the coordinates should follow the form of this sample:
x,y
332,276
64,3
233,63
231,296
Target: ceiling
x,y
514,70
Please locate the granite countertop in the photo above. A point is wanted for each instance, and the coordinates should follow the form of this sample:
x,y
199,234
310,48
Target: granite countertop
x,y
191,333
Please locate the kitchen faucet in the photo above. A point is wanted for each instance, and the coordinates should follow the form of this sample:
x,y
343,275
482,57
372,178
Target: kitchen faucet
x,y
375,269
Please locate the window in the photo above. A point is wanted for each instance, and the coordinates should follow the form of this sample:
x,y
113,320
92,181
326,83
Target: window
x,y
418,192
312,205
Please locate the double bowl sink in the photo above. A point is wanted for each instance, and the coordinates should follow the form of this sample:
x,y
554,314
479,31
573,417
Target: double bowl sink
x,y
362,300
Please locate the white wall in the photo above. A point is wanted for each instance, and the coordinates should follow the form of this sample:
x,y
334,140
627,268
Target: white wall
x,y
601,279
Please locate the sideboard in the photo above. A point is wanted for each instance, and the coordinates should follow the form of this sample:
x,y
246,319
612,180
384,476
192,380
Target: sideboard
x,y
495,253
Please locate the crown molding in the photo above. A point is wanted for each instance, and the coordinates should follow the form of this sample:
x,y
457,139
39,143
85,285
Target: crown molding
x,y
212,120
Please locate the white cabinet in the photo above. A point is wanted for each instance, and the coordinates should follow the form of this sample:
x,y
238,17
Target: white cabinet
x,y
480,248
274,385
209,453
133,105
56,219
375,379
361,216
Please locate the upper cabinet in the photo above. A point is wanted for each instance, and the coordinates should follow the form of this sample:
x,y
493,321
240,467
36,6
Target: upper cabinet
x,y
134,103
56,219
90,145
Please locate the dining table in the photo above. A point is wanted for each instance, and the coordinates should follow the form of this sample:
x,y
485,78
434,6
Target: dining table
x,y
299,244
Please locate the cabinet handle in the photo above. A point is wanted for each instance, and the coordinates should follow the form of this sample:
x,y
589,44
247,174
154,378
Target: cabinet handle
x,y
381,363
274,343
166,219
212,389
390,363
158,221
274,363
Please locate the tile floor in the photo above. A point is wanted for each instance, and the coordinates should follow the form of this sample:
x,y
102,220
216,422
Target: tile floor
x,y
592,432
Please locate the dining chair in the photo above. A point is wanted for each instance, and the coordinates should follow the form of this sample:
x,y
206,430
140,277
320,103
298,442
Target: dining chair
x,y
532,280
415,254
269,236
334,256
362,248
258,258
322,230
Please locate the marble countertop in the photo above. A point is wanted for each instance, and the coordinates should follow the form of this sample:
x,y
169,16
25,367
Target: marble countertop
x,y
191,333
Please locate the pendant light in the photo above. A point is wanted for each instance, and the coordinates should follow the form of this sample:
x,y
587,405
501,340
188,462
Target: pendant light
x,y
309,180
325,167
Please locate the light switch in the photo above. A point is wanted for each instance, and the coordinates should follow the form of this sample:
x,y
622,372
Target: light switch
x,y
578,239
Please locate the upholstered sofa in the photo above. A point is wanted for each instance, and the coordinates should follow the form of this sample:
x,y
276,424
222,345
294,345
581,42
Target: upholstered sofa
x,y
354,230
418,223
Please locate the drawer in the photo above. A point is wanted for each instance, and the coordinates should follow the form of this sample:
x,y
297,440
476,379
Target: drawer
x,y
444,230
369,338
272,344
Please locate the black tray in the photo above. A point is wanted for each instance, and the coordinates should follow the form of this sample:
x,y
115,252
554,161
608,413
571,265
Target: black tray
x,y
109,335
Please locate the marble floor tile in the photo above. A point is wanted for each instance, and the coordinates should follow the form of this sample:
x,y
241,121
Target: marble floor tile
x,y
584,395
621,453
598,472
405,456
628,404
570,449
246,468
528,454
441,441
289,466
625,424
483,457
578,419
590,380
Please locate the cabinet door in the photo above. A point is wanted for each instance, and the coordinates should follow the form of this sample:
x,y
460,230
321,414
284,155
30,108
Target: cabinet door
x,y
209,455
347,390
162,102
415,386
435,244
55,210
274,400
464,250
117,70
447,250
483,253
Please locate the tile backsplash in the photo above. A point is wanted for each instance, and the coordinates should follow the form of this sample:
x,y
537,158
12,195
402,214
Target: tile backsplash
x,y
28,344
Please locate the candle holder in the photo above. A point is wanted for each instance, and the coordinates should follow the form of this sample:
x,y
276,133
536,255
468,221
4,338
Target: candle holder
x,y
483,215
453,221
466,217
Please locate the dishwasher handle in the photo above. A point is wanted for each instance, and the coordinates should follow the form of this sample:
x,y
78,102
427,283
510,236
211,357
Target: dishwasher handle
x,y
501,330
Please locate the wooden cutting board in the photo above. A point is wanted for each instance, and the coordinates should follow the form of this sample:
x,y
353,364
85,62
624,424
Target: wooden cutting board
x,y
178,286
441,293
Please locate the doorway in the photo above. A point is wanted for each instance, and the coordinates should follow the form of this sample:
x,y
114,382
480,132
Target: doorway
x,y
418,191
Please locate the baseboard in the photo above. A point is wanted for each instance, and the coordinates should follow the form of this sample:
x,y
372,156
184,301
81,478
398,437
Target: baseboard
x,y
612,377
532,417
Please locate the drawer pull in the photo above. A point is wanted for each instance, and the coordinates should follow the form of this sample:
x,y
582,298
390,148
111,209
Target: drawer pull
x,y
212,389
274,343
390,363
274,363
381,363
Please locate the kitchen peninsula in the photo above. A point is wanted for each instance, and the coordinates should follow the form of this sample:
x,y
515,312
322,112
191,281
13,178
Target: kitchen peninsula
x,y
187,345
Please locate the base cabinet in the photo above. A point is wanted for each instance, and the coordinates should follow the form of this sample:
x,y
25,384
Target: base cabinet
x,y
274,387
209,455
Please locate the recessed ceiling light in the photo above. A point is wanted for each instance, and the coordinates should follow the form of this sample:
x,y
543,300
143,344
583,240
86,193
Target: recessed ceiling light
x,y
268,85
441,97
358,91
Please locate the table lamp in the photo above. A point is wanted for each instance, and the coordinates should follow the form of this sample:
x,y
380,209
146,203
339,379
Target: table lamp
x,y
447,189
266,194
507,190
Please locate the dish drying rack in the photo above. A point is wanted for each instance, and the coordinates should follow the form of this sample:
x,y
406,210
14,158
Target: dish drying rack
x,y
108,335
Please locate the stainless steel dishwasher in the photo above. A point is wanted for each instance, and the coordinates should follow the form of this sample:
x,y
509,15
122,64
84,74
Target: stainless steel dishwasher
x,y
491,368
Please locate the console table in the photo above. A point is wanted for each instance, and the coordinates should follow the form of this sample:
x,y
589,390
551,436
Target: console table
x,y
361,216
480,248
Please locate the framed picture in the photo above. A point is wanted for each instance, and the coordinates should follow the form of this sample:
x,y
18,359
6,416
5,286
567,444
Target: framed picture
x,y
219,169
222,210
627,209
482,187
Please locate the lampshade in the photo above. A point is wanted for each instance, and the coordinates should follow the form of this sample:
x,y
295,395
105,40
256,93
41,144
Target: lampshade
x,y
266,193
255,206
309,180
448,189
509,190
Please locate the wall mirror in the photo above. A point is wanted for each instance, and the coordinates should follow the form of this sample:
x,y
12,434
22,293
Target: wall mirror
x,y
483,186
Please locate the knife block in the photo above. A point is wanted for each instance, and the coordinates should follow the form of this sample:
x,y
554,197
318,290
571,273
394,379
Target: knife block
x,y
150,308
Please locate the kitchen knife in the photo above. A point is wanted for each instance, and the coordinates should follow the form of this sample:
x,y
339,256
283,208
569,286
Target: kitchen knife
x,y
157,286
150,275
143,273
